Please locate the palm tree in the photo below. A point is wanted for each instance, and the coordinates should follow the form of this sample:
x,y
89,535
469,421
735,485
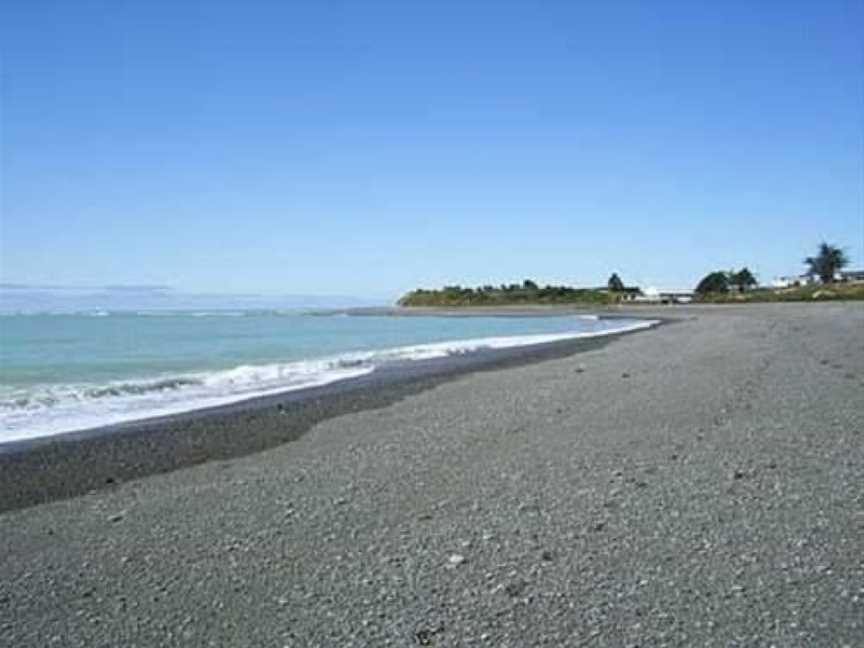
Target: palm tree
x,y
743,279
826,264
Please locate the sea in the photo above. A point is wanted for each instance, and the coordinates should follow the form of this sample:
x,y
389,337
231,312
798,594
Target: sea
x,y
62,372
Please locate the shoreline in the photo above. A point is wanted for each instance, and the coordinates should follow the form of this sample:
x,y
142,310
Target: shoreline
x,y
469,346
626,310
46,468
694,484
328,369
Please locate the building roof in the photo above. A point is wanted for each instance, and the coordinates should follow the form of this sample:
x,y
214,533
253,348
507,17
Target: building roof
x,y
669,291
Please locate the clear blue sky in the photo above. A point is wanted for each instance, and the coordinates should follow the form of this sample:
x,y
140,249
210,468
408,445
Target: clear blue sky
x,y
368,147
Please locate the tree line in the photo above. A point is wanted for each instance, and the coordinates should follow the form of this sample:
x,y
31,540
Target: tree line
x,y
828,261
527,292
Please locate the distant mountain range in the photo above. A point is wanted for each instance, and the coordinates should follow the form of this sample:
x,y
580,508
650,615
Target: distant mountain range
x,y
16,298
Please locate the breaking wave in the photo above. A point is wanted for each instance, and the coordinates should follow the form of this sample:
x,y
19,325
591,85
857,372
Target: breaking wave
x,y
51,409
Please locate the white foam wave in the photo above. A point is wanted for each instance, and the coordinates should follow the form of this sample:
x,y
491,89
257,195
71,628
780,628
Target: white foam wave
x,y
54,409
67,408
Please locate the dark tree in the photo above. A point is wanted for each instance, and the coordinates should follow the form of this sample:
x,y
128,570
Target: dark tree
x,y
826,264
529,285
615,284
743,279
714,282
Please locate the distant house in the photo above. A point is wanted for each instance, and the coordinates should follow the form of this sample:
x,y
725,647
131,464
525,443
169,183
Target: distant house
x,y
676,296
793,281
784,282
665,296
627,294
852,276
630,293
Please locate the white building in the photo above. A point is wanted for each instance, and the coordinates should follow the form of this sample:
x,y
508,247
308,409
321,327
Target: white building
x,y
794,280
652,295
809,279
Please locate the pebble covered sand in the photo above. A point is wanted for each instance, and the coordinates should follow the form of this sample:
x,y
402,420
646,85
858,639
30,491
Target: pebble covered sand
x,y
698,484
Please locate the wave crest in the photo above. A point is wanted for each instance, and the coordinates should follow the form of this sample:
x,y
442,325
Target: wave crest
x,y
46,410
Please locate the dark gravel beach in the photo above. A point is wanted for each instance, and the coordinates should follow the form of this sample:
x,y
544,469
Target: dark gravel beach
x,y
701,483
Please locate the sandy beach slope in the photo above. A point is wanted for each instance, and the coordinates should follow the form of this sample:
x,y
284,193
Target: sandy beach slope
x,y
701,483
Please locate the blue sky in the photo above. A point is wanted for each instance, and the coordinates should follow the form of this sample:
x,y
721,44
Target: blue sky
x,y
366,148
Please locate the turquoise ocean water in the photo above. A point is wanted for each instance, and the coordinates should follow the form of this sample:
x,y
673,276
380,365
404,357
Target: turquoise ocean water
x,y
63,372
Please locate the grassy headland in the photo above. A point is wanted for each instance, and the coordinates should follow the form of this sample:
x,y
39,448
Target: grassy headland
x,y
529,293
816,292
514,294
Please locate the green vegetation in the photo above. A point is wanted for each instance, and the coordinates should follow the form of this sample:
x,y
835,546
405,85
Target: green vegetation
x,y
827,263
743,280
722,282
615,284
741,287
506,295
813,292
714,283
718,287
